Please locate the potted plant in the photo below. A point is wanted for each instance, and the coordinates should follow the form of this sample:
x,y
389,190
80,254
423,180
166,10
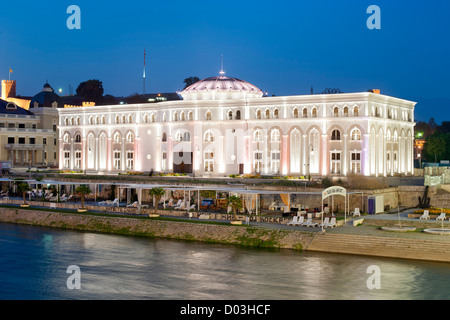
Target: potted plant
x,y
158,193
235,203
82,191
23,188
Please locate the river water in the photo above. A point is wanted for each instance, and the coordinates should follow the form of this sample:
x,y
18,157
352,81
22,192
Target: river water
x,y
34,263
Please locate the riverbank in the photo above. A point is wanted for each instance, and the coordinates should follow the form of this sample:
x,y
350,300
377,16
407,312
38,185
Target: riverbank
x,y
391,245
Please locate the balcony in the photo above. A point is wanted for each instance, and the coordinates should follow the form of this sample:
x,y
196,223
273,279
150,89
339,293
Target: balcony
x,y
28,147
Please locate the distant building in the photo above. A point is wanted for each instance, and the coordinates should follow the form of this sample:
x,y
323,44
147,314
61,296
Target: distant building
x,y
226,126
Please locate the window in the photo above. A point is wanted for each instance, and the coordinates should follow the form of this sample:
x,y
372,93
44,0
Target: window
x,y
67,159
258,136
32,140
335,163
355,112
78,159
209,161
130,160
305,113
230,115
21,140
209,136
164,137
11,140
44,140
345,111
54,127
130,137
117,160
314,113
117,120
355,162
164,161
336,135
153,117
295,113
267,114
275,163
208,115
257,161
21,125
11,125
77,139
258,114
275,136
191,116
117,138
276,114
182,117
238,115
355,135
175,117
336,112
186,136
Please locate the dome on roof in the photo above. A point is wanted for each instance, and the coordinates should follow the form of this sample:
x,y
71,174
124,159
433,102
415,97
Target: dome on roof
x,y
222,87
46,98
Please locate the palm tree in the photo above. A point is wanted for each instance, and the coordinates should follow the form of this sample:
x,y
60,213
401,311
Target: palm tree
x,y
235,203
23,188
158,193
82,191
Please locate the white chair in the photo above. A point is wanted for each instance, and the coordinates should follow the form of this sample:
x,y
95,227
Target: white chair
x,y
293,222
425,215
177,205
132,205
325,223
356,212
441,216
332,223
101,203
309,223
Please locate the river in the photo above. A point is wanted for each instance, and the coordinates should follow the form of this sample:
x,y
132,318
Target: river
x,y
34,265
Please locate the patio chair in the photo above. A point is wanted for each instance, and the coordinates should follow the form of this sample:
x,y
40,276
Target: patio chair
x,y
293,222
101,203
309,223
332,223
177,205
325,223
441,216
180,207
356,212
425,215
132,205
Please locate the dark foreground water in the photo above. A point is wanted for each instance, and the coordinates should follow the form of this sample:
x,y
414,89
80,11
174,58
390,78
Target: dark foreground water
x,y
34,262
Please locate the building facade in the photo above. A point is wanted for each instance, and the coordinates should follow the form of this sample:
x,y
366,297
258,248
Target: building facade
x,y
226,126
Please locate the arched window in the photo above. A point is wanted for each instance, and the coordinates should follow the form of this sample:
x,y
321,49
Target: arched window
x,y
388,135
208,115
355,111
336,112
124,119
345,111
91,120
305,113
77,138
355,134
186,136
145,118
117,137
97,120
130,137
175,116
164,137
117,120
179,136
238,115
275,136
314,112
183,116
295,113
230,115
191,116
209,136
258,114
336,135
66,138
275,114
258,136
66,121
153,117
395,136
267,114
78,121
103,120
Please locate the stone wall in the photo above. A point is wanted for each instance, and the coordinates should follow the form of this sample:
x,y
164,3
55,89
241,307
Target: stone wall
x,y
154,228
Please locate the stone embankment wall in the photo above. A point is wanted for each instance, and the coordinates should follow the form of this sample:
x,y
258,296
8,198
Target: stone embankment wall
x,y
210,233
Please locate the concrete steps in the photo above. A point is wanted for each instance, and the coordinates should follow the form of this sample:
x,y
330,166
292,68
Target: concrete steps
x,y
382,246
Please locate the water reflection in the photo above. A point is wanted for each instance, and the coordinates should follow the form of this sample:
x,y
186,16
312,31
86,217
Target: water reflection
x,y
119,267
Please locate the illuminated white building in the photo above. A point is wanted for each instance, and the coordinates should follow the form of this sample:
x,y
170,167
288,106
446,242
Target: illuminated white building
x,y
225,126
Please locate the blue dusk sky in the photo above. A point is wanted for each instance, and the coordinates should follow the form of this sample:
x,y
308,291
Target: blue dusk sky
x,y
283,47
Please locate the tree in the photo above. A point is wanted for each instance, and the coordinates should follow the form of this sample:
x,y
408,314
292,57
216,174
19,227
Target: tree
x,y
436,145
235,203
82,191
158,193
190,81
91,90
23,188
